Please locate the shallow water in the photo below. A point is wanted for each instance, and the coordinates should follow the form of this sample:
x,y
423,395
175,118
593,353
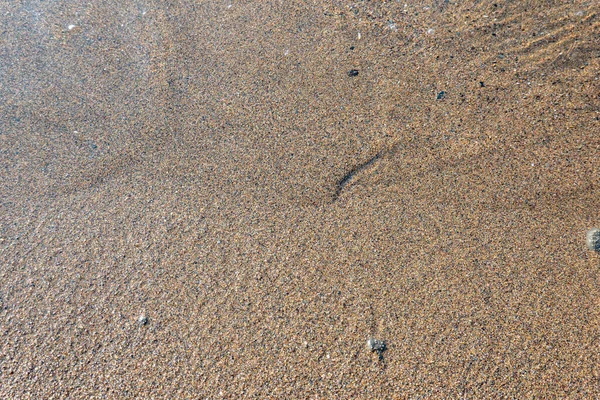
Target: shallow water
x,y
213,169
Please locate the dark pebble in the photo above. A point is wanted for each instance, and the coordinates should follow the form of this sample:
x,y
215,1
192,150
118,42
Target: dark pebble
x,y
353,72
441,95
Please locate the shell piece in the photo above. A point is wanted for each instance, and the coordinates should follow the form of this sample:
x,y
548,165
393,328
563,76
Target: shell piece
x,y
377,345
593,239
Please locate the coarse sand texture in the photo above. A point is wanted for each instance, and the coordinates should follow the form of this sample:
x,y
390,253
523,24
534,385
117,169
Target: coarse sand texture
x,y
299,199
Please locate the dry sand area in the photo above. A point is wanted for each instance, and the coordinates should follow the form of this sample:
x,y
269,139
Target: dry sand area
x,y
228,199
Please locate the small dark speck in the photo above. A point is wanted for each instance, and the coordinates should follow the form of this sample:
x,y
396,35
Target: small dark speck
x,y
353,72
352,47
441,95
481,84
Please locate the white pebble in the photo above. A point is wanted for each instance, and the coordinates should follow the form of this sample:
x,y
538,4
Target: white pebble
x,y
376,345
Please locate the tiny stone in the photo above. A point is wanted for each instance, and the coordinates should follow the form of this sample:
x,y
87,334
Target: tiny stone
x,y
441,95
353,72
593,239
376,345
142,320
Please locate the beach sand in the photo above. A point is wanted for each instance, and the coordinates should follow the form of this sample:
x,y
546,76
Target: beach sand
x,y
199,199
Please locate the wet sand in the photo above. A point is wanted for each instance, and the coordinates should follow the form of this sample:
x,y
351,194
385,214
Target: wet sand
x,y
201,200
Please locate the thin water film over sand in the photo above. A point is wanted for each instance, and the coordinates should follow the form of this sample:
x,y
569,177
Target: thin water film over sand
x,y
230,198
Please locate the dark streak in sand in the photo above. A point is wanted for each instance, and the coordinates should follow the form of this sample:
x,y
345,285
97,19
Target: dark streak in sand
x,y
349,176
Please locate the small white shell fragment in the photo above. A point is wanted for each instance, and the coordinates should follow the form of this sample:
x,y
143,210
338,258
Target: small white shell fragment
x,y
593,239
